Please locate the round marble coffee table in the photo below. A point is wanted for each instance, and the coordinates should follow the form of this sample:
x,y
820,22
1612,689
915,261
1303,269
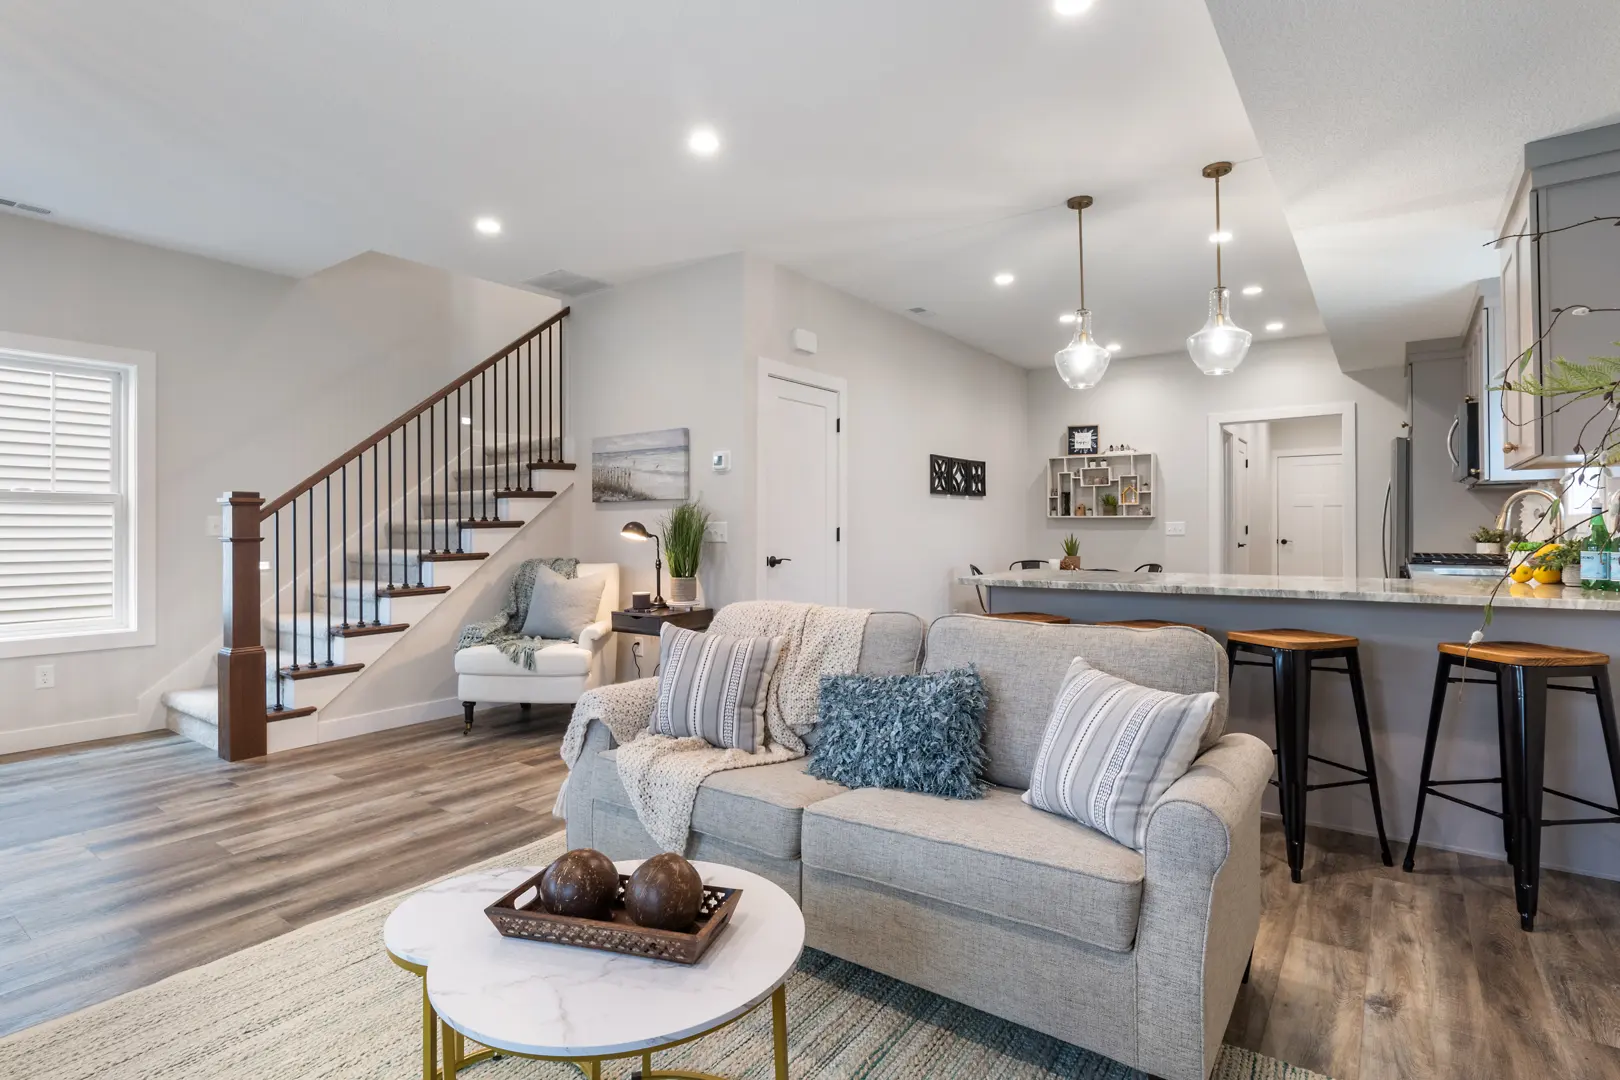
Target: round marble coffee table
x,y
440,919
585,1006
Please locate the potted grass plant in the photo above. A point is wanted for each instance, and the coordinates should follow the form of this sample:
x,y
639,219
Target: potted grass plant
x,y
1488,540
1110,504
684,529
1071,553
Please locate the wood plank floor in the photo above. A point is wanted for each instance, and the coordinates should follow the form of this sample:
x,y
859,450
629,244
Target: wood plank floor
x,y
123,862
127,861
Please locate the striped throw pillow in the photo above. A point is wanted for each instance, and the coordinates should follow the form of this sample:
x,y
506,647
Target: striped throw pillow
x,y
714,687
1112,749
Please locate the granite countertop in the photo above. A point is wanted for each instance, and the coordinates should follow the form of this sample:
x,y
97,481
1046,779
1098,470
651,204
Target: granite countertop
x,y
1451,591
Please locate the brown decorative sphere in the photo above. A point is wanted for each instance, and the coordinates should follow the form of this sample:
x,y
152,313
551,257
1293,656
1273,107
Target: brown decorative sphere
x,y
664,893
581,883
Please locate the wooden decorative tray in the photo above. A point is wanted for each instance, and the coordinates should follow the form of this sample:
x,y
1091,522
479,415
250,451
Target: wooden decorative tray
x,y
617,933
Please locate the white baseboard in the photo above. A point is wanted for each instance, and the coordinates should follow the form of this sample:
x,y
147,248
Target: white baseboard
x,y
347,727
77,731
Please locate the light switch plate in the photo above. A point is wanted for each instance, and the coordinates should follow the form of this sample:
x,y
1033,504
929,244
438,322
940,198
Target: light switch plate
x,y
715,533
1175,528
214,526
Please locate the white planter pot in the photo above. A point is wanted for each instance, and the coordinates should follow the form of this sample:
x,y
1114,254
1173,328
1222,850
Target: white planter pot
x,y
1572,574
683,590
1487,549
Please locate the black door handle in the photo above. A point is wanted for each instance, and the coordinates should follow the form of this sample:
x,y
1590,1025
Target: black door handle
x,y
773,562
1243,545
1282,541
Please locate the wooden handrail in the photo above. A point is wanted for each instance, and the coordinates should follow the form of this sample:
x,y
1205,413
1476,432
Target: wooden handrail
x,y
399,421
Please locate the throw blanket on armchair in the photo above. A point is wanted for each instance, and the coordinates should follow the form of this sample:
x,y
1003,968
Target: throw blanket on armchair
x,y
662,775
505,631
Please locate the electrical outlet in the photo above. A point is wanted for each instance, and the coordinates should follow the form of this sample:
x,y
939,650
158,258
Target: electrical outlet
x,y
44,676
1175,528
715,533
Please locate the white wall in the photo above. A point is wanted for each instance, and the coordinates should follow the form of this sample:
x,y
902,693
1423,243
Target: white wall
x,y
1304,433
1162,404
261,380
679,349
912,392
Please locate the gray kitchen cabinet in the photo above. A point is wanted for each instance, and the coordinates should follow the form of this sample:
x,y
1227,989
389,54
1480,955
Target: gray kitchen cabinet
x,y
1568,179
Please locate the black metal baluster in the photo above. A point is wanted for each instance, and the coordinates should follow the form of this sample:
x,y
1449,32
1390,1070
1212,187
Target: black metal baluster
x,y
558,392
391,510
483,447
433,481
445,449
311,580
275,583
376,540
523,430
420,481
327,555
292,588
461,459
343,544
545,411
505,454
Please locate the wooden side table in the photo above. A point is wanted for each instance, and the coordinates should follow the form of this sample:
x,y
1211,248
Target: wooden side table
x,y
652,620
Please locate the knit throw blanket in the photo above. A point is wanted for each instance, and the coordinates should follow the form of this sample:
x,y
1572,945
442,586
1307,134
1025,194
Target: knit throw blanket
x,y
505,631
662,775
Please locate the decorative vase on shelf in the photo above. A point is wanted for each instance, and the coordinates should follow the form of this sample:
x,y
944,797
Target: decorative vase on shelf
x,y
683,590
1487,549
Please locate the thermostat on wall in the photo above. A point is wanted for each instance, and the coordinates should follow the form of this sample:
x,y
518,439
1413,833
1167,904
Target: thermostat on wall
x,y
720,461
804,341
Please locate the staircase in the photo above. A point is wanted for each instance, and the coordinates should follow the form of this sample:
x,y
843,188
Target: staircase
x,y
325,579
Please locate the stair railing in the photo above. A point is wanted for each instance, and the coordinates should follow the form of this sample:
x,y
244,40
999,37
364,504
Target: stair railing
x,y
396,499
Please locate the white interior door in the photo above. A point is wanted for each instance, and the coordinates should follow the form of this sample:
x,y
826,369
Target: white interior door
x,y
1310,514
1237,504
799,463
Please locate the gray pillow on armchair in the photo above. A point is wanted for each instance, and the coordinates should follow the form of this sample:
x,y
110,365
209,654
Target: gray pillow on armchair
x,y
561,608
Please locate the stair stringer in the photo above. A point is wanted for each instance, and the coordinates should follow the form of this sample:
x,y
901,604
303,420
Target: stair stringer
x,y
415,679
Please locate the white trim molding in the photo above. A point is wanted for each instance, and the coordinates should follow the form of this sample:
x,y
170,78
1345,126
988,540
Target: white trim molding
x,y
138,369
775,369
1344,410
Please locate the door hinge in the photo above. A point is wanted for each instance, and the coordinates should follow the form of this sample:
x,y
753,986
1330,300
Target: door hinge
x,y
838,424
1245,463
838,534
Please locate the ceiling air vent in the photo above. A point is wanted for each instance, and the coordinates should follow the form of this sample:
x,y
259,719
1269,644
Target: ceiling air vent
x,y
921,312
27,208
565,283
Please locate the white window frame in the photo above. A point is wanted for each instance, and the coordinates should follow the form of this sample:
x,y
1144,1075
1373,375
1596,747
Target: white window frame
x,y
135,525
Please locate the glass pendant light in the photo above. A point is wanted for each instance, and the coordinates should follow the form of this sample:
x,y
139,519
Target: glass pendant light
x,y
1082,363
1220,346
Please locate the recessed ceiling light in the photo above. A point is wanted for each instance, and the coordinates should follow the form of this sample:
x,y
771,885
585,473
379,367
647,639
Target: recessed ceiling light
x,y
1221,237
488,226
1071,7
703,141
1274,326
1004,278
1114,346
1066,318
1252,290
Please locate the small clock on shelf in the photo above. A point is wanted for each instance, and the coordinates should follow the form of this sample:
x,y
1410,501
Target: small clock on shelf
x,y
1084,439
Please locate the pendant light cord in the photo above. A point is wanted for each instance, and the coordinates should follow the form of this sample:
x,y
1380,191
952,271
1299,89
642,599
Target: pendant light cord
x,y
1218,232
1081,215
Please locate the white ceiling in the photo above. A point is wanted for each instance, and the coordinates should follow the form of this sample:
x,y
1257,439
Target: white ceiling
x,y
1394,130
905,150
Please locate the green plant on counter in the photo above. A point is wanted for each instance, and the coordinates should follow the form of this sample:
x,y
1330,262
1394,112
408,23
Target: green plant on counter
x,y
1558,558
1486,534
1524,545
1071,545
684,528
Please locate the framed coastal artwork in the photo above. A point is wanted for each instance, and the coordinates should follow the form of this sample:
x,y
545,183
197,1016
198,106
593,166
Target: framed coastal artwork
x,y
649,466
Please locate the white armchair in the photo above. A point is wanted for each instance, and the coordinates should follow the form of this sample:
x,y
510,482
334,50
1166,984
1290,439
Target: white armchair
x,y
561,672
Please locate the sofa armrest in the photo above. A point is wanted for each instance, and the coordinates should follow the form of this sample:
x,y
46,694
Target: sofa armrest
x,y
594,635
1200,906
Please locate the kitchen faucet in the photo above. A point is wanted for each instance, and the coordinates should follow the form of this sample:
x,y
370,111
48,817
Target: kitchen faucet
x,y
1544,529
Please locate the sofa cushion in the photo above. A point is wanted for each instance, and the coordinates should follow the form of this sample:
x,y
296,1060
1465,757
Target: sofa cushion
x,y
759,807
891,644
562,659
560,608
992,855
1023,664
922,733
714,687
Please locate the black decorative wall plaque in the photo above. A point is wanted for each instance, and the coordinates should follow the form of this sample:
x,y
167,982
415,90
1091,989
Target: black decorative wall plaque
x,y
955,476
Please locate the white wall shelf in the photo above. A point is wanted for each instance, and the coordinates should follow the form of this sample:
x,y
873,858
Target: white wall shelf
x,y
1076,485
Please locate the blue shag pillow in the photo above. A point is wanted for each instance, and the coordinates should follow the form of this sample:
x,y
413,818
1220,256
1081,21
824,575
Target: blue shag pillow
x,y
921,733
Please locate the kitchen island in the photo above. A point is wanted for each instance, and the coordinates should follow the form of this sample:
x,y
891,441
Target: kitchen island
x,y
1399,623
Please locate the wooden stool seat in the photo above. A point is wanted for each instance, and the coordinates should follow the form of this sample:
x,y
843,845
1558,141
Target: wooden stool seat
x,y
1153,624
1524,654
1293,640
1030,616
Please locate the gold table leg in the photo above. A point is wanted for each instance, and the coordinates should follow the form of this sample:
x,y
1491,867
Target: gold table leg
x,y
430,1037
779,1029
450,1063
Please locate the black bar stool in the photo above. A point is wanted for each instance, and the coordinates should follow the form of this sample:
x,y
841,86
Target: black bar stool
x,y
1519,670
1292,655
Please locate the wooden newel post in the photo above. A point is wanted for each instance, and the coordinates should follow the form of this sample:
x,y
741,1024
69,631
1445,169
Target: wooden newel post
x,y
242,712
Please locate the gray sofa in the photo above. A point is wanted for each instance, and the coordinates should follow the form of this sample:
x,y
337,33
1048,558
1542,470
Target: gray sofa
x,y
1024,914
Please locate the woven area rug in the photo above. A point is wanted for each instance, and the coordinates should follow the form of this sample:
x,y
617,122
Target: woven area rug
x,y
324,1003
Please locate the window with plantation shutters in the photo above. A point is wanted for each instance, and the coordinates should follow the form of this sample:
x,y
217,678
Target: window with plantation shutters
x,y
63,498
